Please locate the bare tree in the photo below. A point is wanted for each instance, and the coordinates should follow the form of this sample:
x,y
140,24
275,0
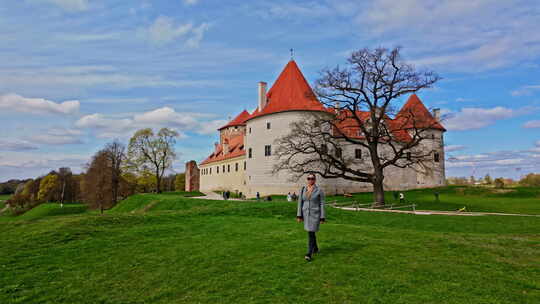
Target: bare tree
x,y
154,152
115,153
97,182
64,175
360,98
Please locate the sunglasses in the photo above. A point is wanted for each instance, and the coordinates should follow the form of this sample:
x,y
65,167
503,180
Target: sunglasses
x,y
311,178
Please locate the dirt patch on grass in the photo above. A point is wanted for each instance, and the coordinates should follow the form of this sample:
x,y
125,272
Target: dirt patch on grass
x,y
503,190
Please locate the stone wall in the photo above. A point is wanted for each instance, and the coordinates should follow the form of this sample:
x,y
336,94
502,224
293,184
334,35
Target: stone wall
x,y
192,176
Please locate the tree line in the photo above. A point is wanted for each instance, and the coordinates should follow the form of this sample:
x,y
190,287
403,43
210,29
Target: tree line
x,y
112,174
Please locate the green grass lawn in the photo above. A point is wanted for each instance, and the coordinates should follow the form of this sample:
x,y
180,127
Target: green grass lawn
x,y
167,248
523,200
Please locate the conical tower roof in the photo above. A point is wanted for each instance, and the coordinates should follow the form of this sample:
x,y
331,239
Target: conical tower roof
x,y
415,114
290,92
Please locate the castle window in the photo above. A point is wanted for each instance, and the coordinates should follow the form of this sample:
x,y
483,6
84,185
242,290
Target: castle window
x,y
358,153
436,157
338,152
245,165
249,130
324,149
268,125
236,167
267,150
432,136
249,153
228,168
408,155
217,169
210,170
223,168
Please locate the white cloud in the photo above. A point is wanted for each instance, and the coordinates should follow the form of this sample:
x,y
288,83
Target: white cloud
x,y
102,123
525,90
198,34
164,31
211,127
532,124
70,5
459,35
292,10
16,145
504,163
191,2
165,115
33,164
17,103
108,127
88,76
452,148
58,136
476,118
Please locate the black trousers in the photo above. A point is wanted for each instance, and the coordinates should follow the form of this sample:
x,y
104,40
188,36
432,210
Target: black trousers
x,y
312,242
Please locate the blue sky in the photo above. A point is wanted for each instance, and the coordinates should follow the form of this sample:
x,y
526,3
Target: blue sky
x,y
75,74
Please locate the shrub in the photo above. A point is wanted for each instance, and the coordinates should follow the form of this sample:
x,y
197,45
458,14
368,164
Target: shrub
x,y
531,180
499,182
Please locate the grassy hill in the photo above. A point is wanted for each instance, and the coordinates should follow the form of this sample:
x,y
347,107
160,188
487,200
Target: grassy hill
x,y
168,248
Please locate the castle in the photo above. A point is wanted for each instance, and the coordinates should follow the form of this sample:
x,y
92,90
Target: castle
x,y
242,161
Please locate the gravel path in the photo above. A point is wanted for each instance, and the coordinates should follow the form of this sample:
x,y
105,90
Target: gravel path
x,y
431,212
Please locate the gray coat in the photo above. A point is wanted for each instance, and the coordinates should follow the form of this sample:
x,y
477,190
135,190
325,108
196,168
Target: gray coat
x,y
312,210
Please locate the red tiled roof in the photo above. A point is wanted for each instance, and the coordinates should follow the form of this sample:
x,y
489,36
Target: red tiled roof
x,y
235,147
239,120
349,127
414,114
291,91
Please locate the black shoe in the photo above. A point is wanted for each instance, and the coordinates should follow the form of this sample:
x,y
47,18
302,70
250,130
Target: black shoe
x,y
307,257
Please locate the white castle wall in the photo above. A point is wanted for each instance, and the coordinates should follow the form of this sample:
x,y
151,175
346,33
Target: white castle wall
x,y
230,179
258,176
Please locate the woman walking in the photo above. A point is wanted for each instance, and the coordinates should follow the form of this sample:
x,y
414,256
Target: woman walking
x,y
311,212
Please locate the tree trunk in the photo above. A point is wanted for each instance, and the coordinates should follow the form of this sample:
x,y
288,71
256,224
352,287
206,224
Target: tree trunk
x,y
158,182
63,191
378,188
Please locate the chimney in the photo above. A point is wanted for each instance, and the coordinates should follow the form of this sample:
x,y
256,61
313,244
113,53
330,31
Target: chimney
x,y
262,95
336,106
437,114
225,146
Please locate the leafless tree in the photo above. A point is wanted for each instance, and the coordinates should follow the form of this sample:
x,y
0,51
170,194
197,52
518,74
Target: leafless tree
x,y
97,191
115,152
64,175
360,98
